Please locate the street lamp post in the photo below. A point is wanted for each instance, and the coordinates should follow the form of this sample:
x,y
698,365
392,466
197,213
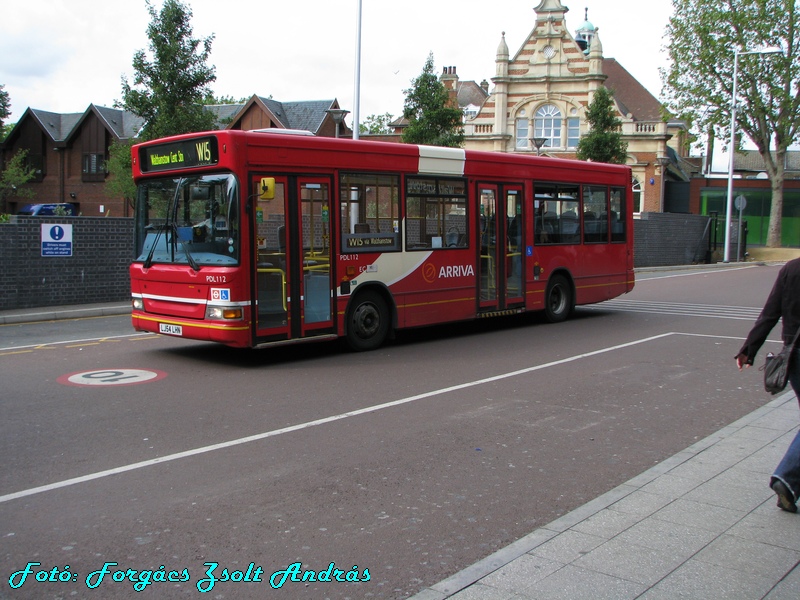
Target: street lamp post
x,y
337,114
732,147
357,90
538,143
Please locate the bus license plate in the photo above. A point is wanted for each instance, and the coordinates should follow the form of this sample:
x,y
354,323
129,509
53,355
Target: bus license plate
x,y
170,329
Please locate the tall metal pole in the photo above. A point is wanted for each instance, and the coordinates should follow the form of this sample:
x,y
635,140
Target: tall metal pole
x,y
357,93
731,151
732,148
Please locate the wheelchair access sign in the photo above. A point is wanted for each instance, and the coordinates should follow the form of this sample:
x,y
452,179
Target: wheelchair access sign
x,y
56,240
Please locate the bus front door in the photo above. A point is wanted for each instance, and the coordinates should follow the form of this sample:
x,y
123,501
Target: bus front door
x,y
293,292
501,246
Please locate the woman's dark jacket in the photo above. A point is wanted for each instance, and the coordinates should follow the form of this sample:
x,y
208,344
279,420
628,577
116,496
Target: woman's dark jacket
x,y
783,301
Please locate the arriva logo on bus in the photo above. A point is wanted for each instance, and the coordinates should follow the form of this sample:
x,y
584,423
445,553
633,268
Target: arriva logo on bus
x,y
446,271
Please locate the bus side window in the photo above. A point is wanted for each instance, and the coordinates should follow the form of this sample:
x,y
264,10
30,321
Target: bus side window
x,y
436,213
369,212
595,214
618,215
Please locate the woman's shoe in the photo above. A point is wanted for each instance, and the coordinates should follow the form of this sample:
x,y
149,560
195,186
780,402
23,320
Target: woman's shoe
x,y
785,497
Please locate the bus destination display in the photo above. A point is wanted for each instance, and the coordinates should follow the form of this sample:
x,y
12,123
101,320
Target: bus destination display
x,y
198,152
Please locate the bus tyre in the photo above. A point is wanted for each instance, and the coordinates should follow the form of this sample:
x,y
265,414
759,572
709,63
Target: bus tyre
x,y
558,302
367,321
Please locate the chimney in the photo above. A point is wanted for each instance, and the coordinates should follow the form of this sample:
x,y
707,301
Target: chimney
x,y
449,78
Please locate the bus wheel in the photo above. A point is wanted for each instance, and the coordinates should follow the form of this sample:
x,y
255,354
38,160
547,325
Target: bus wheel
x,y
558,299
367,322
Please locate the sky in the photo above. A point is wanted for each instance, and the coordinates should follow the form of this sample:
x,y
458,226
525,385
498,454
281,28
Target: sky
x,y
62,55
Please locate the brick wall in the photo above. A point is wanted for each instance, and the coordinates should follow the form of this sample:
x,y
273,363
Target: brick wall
x,y
666,239
97,271
102,249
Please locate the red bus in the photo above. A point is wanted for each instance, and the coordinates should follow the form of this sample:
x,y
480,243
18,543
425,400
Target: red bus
x,y
254,238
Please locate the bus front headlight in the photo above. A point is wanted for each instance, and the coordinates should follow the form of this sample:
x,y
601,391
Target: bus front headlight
x,y
224,313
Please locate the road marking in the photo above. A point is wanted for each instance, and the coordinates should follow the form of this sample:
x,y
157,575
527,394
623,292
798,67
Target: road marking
x,y
16,352
47,345
698,272
316,423
111,377
742,313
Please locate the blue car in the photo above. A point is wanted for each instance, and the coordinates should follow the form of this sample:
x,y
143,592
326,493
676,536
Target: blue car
x,y
58,209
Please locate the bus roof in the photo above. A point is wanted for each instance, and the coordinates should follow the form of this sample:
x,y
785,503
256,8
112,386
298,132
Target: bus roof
x,y
373,155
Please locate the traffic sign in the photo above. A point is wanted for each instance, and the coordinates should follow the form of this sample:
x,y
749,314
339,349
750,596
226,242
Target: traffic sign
x,y
56,240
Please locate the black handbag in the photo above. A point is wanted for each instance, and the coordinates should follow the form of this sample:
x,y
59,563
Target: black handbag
x,y
776,368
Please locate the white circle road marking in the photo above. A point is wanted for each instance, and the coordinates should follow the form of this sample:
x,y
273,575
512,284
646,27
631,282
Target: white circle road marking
x,y
111,377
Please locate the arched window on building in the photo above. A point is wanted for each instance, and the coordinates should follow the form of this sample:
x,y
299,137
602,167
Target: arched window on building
x,y
547,125
638,197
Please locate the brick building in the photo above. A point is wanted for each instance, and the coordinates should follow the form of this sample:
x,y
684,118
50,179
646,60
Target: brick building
x,y
541,94
69,151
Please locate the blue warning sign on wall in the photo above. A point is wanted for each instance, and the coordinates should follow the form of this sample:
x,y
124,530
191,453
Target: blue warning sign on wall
x,y
56,240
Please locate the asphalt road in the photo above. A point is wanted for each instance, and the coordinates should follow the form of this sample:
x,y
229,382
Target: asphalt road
x,y
397,467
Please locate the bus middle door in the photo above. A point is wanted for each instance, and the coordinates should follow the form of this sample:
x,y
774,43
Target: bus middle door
x,y
501,243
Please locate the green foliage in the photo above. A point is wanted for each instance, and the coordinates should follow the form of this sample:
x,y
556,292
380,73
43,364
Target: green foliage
x,y
431,118
5,111
168,93
15,175
604,141
376,124
699,80
212,99
120,183
703,37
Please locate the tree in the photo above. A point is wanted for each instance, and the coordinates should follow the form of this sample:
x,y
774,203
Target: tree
x,y
703,37
15,175
376,124
121,185
604,141
432,119
212,99
168,92
5,111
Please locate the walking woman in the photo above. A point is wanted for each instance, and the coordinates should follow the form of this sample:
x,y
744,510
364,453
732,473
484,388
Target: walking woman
x,y
783,302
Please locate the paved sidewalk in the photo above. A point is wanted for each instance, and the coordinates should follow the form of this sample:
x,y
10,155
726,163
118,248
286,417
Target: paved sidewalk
x,y
56,313
702,524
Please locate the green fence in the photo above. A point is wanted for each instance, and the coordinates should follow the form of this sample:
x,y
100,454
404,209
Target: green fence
x,y
756,212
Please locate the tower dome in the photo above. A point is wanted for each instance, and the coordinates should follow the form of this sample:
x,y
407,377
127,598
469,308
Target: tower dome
x,y
585,34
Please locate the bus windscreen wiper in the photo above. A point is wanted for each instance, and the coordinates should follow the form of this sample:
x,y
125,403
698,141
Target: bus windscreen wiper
x,y
189,258
149,260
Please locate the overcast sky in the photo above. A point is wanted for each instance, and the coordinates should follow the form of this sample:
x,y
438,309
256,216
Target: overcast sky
x,y
62,55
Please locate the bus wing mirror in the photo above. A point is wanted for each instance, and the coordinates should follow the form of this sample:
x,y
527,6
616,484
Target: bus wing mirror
x,y
267,188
